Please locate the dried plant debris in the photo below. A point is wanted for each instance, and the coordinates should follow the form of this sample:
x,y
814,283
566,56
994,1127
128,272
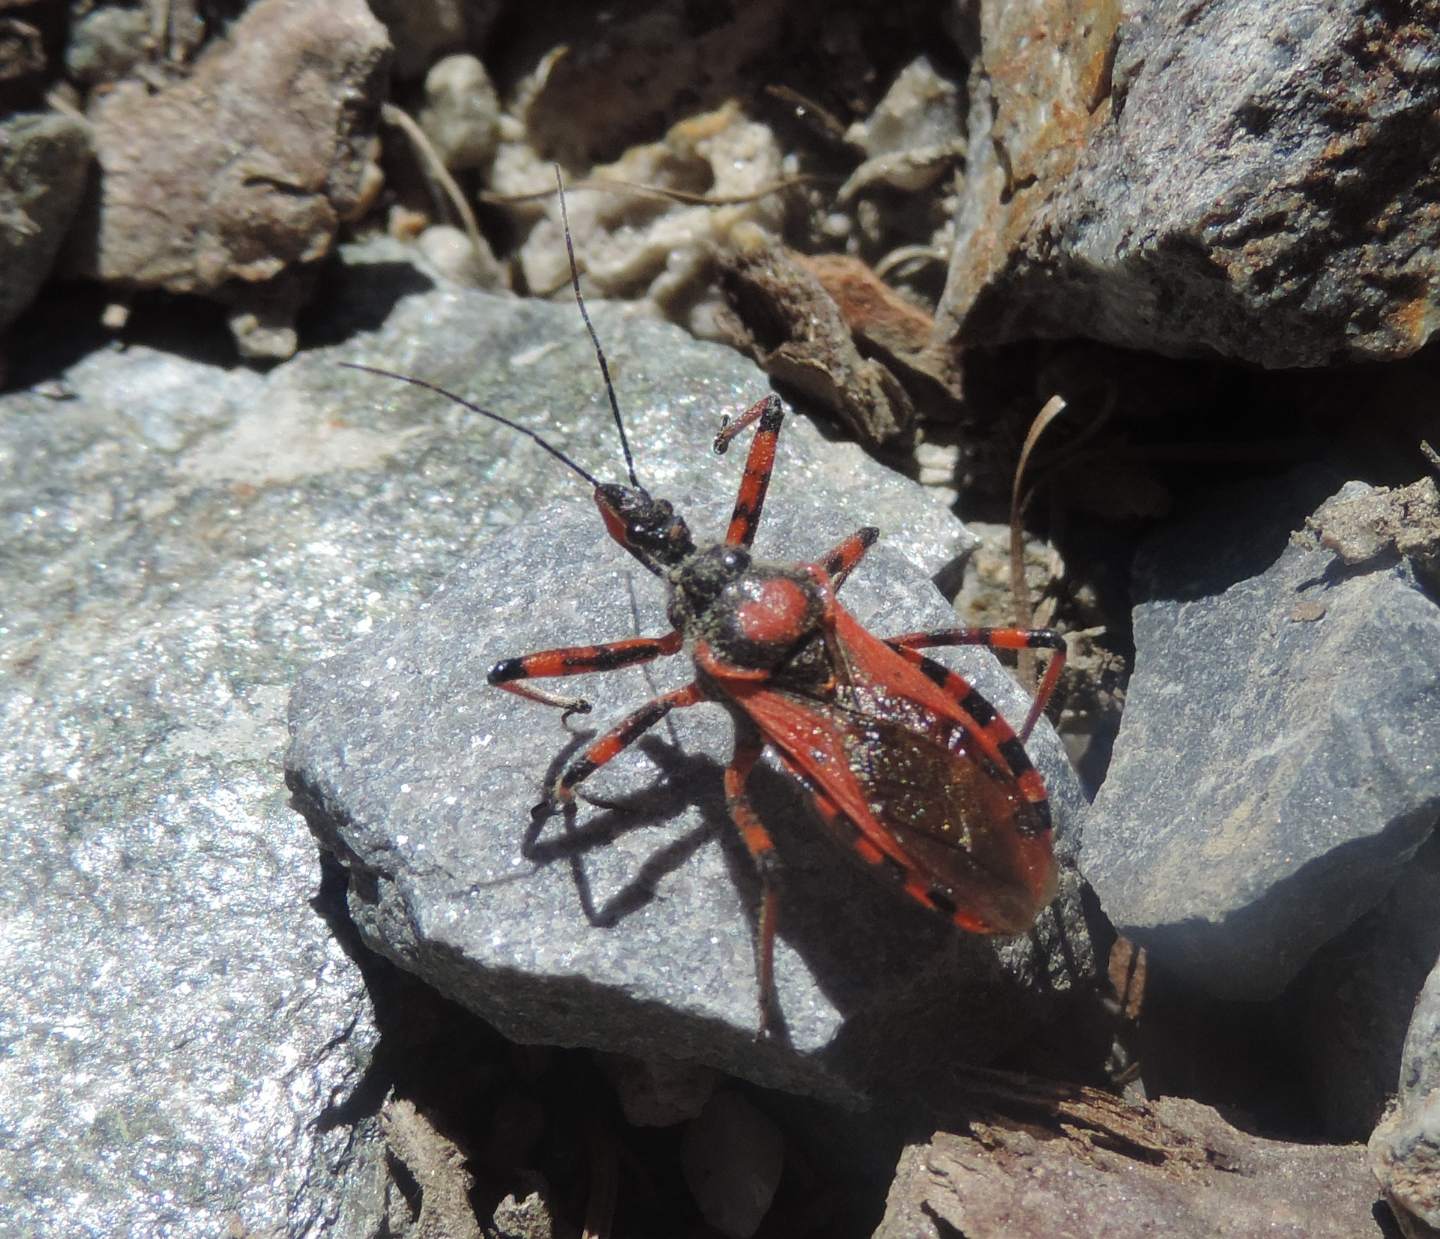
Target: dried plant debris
x,y
727,155
242,172
786,320
612,83
437,1167
634,243
890,327
1082,1162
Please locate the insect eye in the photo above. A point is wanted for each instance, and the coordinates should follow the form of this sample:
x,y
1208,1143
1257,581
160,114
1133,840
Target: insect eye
x,y
736,560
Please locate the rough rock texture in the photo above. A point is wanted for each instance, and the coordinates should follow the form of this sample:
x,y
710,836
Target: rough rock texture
x,y
630,929
1355,999
1251,178
177,1018
1275,767
1171,1167
1405,1149
245,168
43,162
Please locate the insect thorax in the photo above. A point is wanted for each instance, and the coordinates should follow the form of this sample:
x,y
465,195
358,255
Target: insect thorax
x,y
751,614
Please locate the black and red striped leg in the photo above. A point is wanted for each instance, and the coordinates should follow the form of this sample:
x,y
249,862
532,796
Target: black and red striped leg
x,y
758,466
510,673
841,560
997,639
748,747
616,741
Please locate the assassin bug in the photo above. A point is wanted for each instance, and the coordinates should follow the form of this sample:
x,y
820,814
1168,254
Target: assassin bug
x,y
904,763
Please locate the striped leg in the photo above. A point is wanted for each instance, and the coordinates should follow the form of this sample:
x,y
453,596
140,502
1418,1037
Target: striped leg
x,y
769,412
576,660
616,741
748,747
842,559
996,639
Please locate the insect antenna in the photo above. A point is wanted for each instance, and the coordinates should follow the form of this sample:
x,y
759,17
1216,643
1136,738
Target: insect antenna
x,y
595,339
475,408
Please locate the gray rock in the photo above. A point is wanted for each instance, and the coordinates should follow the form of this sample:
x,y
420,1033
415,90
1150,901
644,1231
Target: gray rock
x,y
1355,999
732,1156
1405,1149
1203,180
176,1016
1275,767
658,1094
44,158
243,171
631,929
461,116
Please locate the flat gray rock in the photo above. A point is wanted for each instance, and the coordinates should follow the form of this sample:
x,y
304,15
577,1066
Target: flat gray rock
x,y
1251,179
630,928
1275,769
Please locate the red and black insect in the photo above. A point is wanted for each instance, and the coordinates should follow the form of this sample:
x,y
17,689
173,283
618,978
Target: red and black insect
x,y
905,763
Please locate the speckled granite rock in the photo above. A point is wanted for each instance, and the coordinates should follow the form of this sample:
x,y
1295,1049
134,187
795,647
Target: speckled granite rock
x,y
176,1016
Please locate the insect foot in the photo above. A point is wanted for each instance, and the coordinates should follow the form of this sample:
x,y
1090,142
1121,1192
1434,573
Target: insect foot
x,y
425,774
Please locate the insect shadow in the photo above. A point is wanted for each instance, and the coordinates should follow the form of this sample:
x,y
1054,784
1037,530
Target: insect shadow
x,y
660,801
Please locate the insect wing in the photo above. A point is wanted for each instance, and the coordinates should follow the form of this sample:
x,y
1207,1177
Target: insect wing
x,y
922,781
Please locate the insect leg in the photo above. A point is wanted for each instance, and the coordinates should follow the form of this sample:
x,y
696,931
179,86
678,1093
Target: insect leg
x,y
840,561
996,639
616,741
509,673
748,747
758,466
